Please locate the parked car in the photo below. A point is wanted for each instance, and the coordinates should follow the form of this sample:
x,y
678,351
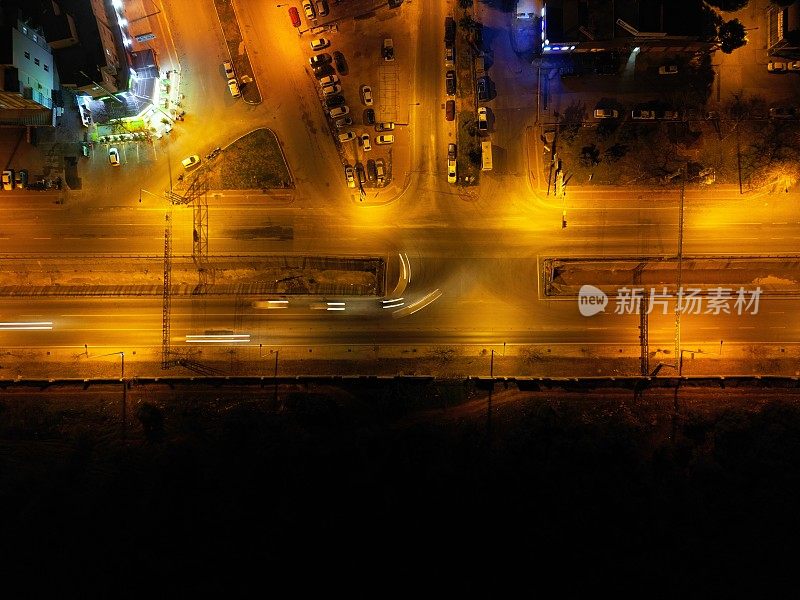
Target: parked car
x,y
365,142
350,176
388,49
339,112
360,174
451,170
320,59
308,9
783,112
369,116
605,113
21,179
330,90
380,170
450,110
343,122
341,63
643,115
384,139
372,171
329,80
228,67
334,101
190,162
8,180
322,8
669,115
323,71
483,89
347,136
449,58
113,157
385,126
668,70
319,44
777,67
450,83
233,88
294,16
483,119
366,95
452,151
793,66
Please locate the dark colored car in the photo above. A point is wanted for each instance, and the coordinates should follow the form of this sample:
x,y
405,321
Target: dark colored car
x,y
372,171
323,71
334,101
450,110
320,59
360,175
341,63
369,117
483,89
450,83
294,16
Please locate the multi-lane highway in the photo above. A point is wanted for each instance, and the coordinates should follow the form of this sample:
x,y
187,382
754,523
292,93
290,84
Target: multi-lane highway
x,y
473,255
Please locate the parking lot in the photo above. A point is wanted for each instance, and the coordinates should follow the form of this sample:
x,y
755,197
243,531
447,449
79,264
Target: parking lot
x,y
355,70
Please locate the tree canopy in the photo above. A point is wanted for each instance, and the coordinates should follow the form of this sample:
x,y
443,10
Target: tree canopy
x,y
729,5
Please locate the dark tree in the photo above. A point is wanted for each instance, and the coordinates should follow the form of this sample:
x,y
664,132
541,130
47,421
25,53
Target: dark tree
x,y
783,2
728,5
731,35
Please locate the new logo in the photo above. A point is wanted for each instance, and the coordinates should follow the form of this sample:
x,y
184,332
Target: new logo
x,y
591,300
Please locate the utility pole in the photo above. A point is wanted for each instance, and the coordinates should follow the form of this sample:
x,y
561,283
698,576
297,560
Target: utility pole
x,y
678,307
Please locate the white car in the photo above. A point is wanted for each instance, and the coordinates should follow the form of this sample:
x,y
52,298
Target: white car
x,y
384,139
794,65
366,95
233,87
229,73
350,175
8,180
320,44
668,70
483,120
339,111
190,162
776,67
308,8
113,157
329,80
366,143
448,57
451,170
330,90
605,113
347,136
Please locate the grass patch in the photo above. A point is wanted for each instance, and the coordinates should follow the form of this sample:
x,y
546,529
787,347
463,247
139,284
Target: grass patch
x,y
254,161
469,149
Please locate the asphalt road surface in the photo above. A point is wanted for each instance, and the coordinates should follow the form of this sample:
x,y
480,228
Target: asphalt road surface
x,y
473,255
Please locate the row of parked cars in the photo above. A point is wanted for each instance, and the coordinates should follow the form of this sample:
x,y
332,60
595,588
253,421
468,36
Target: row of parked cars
x,y
10,180
374,173
639,114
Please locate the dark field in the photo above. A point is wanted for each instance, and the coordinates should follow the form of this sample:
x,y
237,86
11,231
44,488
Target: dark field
x,y
217,490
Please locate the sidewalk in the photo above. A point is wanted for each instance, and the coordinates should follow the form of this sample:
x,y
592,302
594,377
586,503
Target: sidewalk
x,y
454,361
